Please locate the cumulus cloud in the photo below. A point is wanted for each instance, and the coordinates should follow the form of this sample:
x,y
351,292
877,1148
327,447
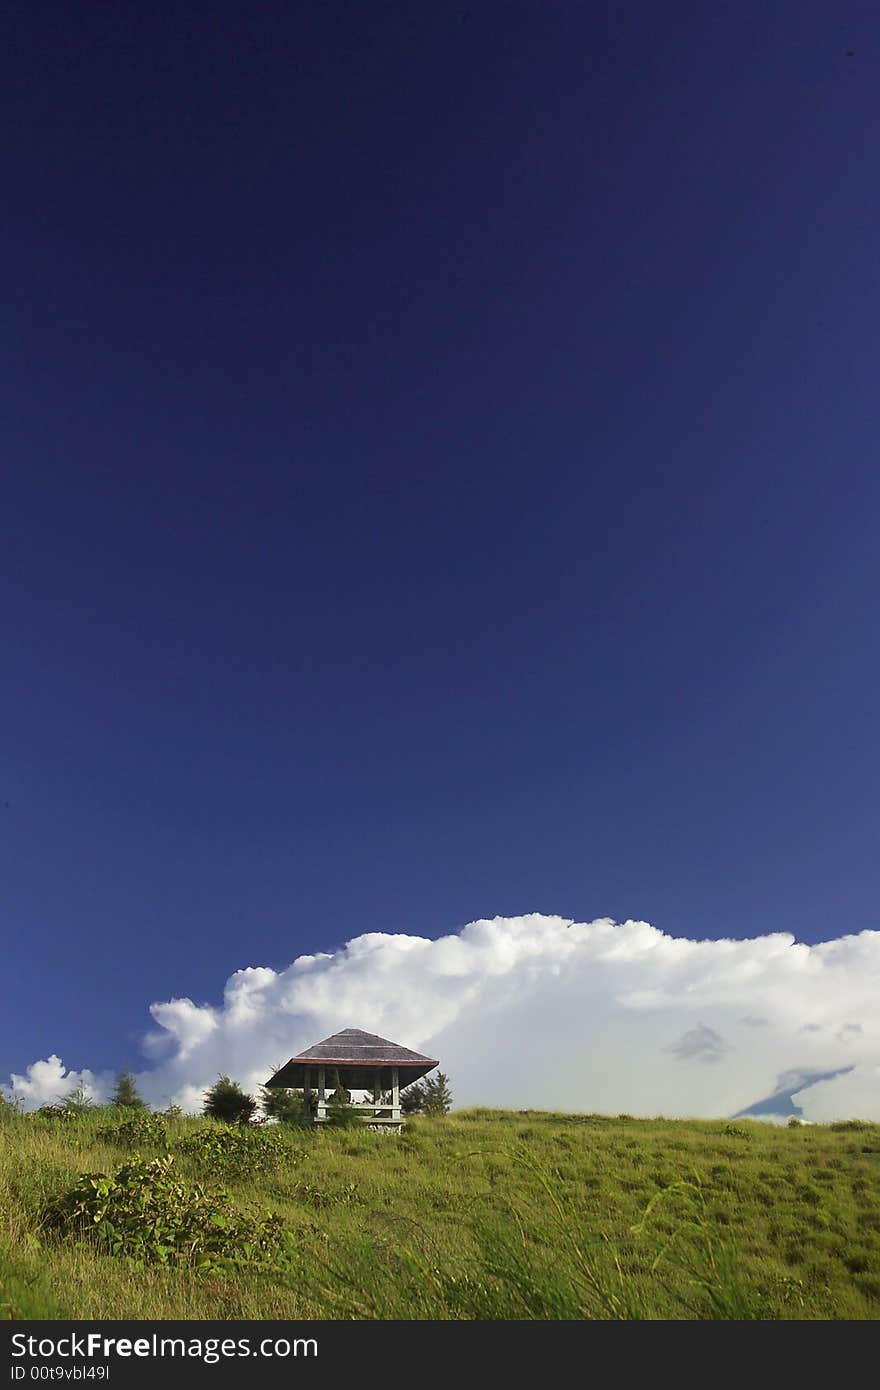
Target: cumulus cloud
x,y
47,1082
545,1012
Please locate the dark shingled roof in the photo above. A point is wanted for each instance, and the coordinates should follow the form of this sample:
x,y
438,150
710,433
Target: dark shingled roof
x,y
357,1056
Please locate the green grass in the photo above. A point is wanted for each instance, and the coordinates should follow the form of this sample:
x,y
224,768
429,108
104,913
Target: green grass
x,y
482,1214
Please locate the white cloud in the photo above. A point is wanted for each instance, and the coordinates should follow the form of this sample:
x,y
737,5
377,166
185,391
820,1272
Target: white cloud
x,y
45,1083
543,1012
186,1025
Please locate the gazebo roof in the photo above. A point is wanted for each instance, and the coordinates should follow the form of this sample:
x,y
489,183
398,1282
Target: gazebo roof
x,y
357,1056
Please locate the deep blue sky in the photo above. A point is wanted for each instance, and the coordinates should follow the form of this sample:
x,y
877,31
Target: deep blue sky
x,y
439,479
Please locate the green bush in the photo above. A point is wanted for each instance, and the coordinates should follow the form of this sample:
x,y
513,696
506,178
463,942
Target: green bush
x,y
149,1215
140,1130
236,1151
227,1101
56,1112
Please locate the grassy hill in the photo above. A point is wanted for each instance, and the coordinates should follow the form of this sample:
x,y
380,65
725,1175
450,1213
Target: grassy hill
x,y
481,1214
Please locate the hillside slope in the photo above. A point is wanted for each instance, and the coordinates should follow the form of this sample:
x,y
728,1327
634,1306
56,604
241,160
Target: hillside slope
x,y
482,1214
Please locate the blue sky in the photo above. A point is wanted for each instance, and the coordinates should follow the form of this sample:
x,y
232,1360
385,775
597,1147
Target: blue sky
x,y
439,457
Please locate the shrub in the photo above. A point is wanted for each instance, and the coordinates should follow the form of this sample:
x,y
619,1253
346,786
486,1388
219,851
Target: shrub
x,y
55,1112
148,1214
8,1108
857,1125
141,1130
227,1101
240,1152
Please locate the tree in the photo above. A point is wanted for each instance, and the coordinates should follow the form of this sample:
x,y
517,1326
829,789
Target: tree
x,y
282,1104
431,1096
412,1099
341,1114
126,1093
227,1101
78,1100
437,1099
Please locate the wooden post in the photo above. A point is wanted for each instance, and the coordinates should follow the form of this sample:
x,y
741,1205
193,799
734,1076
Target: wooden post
x,y
395,1094
377,1089
307,1087
322,1103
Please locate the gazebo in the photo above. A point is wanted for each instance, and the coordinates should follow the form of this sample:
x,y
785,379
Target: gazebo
x,y
362,1062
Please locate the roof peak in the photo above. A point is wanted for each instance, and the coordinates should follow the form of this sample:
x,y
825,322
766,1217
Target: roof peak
x,y
356,1045
358,1033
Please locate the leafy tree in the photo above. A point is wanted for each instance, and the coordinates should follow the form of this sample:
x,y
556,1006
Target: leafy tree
x,y
126,1093
78,1100
227,1101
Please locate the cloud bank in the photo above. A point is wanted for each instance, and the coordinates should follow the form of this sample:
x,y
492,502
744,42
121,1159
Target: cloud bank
x,y
544,1012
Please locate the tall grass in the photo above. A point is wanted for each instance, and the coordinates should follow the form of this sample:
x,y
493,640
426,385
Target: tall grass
x,y
481,1214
